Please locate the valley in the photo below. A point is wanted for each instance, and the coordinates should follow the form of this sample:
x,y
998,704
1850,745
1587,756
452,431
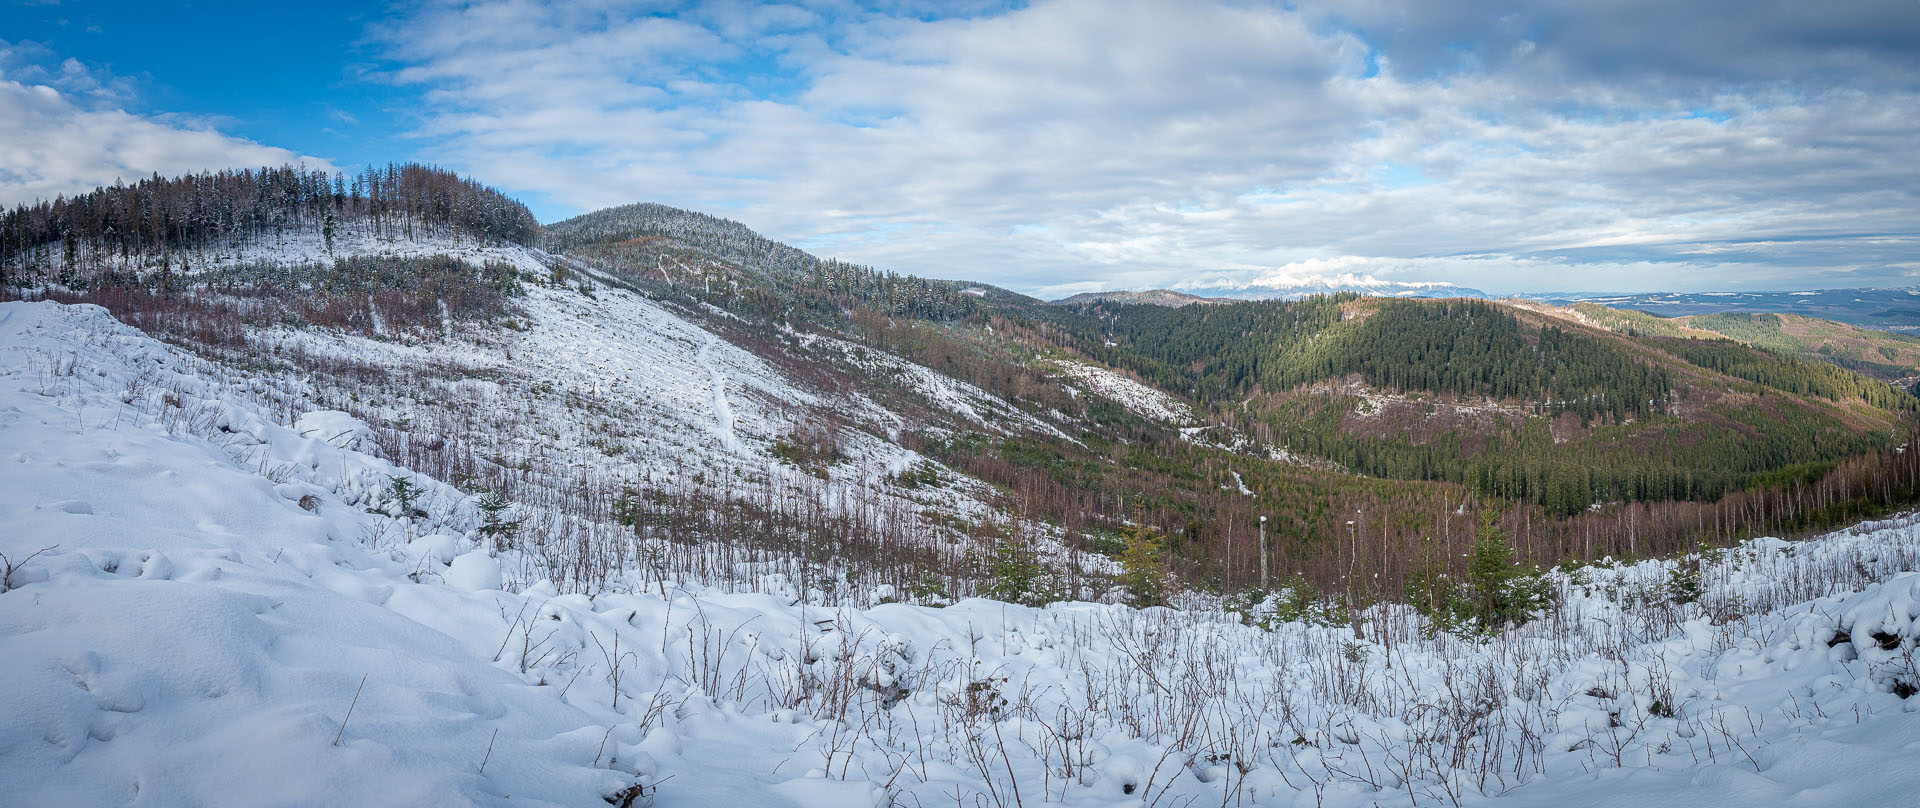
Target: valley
x,y
642,490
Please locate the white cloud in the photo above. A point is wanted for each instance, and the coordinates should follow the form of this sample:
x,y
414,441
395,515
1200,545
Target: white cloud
x,y
1078,142
1498,273
54,143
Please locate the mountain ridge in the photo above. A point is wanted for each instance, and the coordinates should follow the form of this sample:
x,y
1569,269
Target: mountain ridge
x,y
962,399
1157,297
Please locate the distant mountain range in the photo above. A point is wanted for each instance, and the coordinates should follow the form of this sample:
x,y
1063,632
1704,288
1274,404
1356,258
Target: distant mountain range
x,y
1157,297
1887,309
1363,285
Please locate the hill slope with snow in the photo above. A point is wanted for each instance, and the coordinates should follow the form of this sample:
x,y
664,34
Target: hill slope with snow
x,y
652,374
213,602
595,406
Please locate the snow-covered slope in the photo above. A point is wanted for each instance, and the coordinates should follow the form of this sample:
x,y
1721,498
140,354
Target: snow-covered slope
x,y
594,388
310,244
205,607
971,405
189,633
1140,399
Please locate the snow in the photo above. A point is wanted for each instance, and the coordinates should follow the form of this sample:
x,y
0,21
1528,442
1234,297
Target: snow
x,y
1242,485
195,637
942,392
355,237
336,428
722,411
627,388
594,386
1139,399
191,633
622,389
473,571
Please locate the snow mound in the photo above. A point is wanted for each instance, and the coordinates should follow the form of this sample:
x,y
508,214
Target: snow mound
x,y
337,429
1864,642
474,571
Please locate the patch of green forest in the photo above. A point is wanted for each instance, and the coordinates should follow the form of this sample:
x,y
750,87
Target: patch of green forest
x,y
1624,443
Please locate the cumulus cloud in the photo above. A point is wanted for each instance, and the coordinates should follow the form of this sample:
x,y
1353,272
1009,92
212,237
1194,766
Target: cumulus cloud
x,y
1086,143
62,132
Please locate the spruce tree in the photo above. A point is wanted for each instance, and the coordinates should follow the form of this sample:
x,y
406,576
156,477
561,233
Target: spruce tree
x,y
1143,565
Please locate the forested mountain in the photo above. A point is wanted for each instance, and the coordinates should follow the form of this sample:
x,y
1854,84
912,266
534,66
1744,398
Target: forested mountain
x,y
370,253
1508,403
1896,309
656,242
1158,297
1886,355
1340,417
1331,406
724,238
1464,348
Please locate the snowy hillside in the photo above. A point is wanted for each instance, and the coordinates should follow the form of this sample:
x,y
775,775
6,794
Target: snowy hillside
x,y
603,409
608,411
305,245
596,388
1140,399
211,601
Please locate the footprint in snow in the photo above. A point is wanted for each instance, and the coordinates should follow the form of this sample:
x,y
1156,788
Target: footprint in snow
x,y
75,506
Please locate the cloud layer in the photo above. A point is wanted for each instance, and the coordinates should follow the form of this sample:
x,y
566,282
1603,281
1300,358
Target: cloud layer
x,y
1073,144
1084,143
65,129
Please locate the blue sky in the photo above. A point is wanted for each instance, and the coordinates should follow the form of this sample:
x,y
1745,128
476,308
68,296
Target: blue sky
x,y
1063,145
267,72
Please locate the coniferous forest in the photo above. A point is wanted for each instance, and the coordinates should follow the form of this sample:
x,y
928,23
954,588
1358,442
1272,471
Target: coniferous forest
x,y
230,209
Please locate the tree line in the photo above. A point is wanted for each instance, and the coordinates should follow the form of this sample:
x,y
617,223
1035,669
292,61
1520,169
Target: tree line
x,y
727,264
231,209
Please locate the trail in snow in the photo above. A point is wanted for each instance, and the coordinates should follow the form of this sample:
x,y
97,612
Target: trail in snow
x,y
1241,483
722,411
379,323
